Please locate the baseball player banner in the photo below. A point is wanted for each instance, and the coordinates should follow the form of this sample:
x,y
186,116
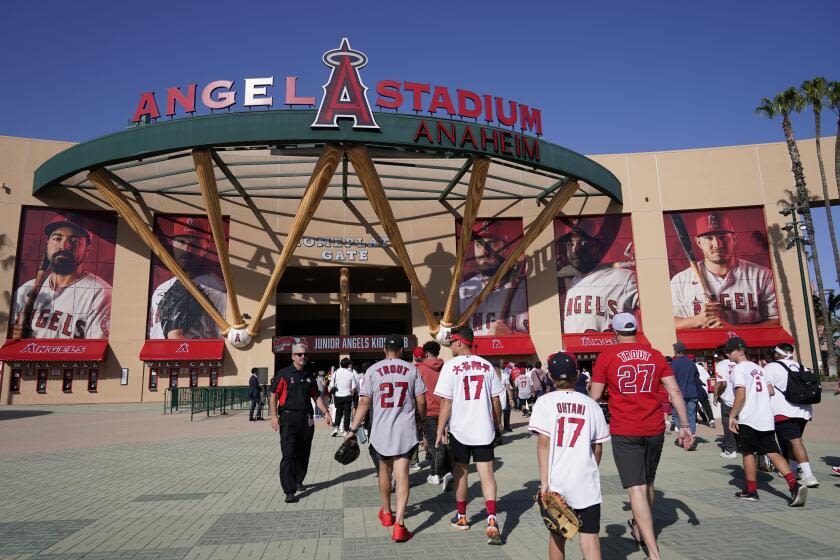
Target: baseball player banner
x,y
63,276
505,310
719,261
173,312
596,271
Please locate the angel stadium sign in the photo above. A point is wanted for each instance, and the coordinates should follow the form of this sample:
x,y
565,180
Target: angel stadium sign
x,y
345,97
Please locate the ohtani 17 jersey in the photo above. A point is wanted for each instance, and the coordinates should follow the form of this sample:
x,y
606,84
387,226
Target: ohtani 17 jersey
x,y
493,306
80,310
593,300
470,382
212,286
746,293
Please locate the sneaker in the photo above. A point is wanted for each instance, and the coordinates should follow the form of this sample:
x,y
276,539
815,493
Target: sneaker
x,y
835,471
414,467
291,498
400,533
460,522
728,454
494,536
749,496
810,481
798,495
711,423
386,518
433,479
447,482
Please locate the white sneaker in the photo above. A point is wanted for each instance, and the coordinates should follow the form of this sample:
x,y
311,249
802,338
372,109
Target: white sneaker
x,y
447,482
433,479
728,454
810,481
335,432
711,423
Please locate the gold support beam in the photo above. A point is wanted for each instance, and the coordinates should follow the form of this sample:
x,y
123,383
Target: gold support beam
x,y
478,178
344,301
563,195
318,182
207,180
102,181
372,185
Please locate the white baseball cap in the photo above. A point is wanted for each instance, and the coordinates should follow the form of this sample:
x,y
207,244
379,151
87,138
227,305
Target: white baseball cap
x,y
625,323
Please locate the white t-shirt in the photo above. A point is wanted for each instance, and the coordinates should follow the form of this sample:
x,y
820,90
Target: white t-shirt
x,y
470,383
344,381
523,384
723,371
778,376
757,412
572,422
505,384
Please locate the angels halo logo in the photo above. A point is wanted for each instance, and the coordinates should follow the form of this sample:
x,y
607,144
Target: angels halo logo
x,y
183,348
345,96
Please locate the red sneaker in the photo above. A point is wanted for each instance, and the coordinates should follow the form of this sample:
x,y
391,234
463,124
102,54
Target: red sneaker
x,y
400,534
386,518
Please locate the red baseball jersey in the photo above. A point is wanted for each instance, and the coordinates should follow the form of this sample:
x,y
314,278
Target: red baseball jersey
x,y
632,373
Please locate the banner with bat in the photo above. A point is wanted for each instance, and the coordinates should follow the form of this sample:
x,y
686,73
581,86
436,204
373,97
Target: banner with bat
x,y
63,274
173,312
719,263
596,271
505,310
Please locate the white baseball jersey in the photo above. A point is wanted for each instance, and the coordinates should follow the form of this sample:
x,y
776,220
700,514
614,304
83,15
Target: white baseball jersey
x,y
572,422
490,310
778,377
214,289
746,293
723,373
524,386
344,382
470,383
505,381
704,375
393,385
594,299
80,310
757,412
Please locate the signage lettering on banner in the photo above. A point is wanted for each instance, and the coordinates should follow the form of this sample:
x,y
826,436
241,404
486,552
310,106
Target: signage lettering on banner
x,y
346,248
322,344
34,348
345,97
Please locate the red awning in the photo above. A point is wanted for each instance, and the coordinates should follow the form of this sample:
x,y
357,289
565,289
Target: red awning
x,y
183,349
512,345
55,350
594,342
755,337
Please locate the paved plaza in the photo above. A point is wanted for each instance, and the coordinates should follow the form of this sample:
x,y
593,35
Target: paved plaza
x,y
124,481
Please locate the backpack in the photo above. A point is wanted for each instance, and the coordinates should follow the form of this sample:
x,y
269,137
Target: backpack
x,y
803,386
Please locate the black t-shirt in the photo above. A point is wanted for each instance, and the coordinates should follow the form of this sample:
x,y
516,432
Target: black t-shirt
x,y
294,389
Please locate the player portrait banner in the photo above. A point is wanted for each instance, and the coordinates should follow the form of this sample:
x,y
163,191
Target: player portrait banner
x,y
63,274
596,271
173,312
719,262
505,310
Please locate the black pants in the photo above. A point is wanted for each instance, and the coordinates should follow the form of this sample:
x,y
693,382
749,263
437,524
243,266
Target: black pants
x,y
342,411
256,402
295,446
705,410
729,444
506,413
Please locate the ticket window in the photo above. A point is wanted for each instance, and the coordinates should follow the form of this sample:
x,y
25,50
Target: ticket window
x,y
153,379
67,380
93,379
14,383
214,377
173,378
193,377
41,383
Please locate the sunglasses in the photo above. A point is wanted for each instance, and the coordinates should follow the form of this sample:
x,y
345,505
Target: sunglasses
x,y
301,354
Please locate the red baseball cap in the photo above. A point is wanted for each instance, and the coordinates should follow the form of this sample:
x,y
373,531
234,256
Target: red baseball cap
x,y
713,222
192,226
491,229
68,219
419,353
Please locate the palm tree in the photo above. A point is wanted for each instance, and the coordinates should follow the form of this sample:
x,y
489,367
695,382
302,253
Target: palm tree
x,y
833,90
783,104
814,92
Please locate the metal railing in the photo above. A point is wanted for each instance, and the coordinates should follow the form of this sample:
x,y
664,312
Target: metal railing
x,y
209,400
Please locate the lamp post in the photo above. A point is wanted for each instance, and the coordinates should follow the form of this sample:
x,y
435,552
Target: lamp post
x,y
796,229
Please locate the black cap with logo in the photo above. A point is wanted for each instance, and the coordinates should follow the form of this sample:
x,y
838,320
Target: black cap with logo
x,y
562,366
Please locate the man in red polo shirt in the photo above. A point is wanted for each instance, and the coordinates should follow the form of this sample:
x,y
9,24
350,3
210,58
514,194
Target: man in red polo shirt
x,y
633,372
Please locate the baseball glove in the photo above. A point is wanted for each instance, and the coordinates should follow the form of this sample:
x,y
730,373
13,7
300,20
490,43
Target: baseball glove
x,y
178,309
348,451
558,517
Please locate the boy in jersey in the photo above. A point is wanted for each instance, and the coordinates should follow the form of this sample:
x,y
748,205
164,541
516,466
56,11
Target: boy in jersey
x,y
725,395
571,429
394,388
752,420
790,418
524,390
633,372
469,392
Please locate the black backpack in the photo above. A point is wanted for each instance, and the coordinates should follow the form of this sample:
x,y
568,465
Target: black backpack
x,y
803,386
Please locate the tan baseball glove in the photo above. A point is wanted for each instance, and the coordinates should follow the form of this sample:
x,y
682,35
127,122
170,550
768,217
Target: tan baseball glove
x,y
558,517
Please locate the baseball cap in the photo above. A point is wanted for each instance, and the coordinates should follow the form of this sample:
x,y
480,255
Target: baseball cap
x,y
394,341
68,219
679,347
491,229
625,322
713,222
562,366
192,226
734,343
419,353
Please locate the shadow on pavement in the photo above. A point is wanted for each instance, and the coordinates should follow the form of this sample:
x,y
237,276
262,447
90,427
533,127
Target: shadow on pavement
x,y
764,480
16,414
615,544
515,504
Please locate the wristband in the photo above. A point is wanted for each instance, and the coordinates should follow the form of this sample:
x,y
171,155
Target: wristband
x,y
353,431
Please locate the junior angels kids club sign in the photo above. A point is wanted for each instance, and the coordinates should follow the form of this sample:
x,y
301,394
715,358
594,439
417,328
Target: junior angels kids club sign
x,y
345,96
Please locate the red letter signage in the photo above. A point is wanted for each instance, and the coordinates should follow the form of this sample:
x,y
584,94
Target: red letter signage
x,y
345,96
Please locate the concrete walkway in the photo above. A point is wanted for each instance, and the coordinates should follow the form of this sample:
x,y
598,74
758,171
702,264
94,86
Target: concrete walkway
x,y
123,481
